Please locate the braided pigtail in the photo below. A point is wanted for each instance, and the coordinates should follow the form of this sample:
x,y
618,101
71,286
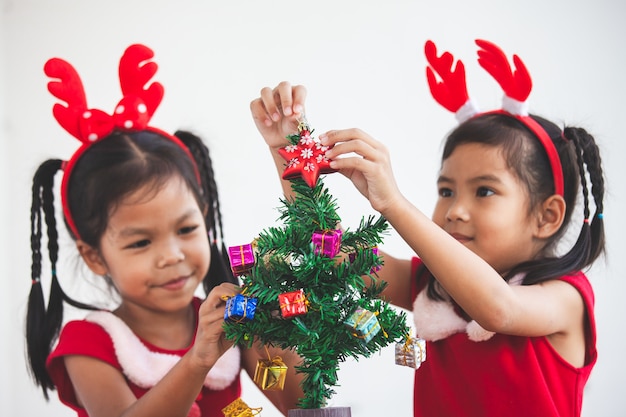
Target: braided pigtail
x,y
591,238
219,269
43,324
38,340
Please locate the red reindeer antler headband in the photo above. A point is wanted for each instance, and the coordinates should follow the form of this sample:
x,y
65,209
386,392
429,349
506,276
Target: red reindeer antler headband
x,y
451,92
132,113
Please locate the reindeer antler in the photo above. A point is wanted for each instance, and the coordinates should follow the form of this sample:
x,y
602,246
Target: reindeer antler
x,y
515,84
451,91
135,71
66,86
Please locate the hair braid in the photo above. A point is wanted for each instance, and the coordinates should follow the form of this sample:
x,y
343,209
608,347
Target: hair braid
x,y
39,340
44,324
220,262
590,154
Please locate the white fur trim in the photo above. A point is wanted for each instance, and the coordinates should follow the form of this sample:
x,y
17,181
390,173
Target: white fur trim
x,y
513,106
435,320
146,368
467,110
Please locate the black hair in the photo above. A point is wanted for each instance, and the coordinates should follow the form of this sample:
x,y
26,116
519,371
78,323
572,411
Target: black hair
x,y
526,157
108,171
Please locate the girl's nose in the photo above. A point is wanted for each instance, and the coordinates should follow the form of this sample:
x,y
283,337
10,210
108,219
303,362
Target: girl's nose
x,y
170,254
457,211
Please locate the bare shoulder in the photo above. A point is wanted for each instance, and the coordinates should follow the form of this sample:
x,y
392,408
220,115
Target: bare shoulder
x,y
108,393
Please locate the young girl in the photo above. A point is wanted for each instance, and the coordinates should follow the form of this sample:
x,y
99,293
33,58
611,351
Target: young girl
x,y
143,208
508,320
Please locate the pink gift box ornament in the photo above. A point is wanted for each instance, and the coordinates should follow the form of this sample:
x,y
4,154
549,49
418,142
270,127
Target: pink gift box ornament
x,y
242,258
293,303
327,242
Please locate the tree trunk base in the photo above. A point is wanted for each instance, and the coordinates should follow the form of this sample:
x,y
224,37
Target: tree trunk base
x,y
321,412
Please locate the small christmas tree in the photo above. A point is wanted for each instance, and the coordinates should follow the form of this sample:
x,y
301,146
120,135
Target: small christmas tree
x,y
303,285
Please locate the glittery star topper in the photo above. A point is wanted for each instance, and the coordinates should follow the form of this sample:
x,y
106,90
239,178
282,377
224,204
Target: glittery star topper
x,y
305,156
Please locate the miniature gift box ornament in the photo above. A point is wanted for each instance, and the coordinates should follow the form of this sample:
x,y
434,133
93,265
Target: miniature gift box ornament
x,y
374,250
411,353
242,258
239,408
270,374
240,308
363,324
293,303
327,242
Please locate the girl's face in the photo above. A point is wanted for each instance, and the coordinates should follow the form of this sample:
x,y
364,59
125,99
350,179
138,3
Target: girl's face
x,y
485,206
155,247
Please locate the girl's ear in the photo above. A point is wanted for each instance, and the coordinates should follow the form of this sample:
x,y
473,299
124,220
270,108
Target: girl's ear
x,y
550,216
92,258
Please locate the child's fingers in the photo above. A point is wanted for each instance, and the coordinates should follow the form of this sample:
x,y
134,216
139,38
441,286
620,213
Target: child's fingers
x,y
283,96
270,104
333,137
259,113
299,97
356,141
218,295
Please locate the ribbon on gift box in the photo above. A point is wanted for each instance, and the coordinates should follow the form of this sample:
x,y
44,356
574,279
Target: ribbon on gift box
x,y
240,308
365,323
242,258
293,303
327,242
411,353
239,408
270,374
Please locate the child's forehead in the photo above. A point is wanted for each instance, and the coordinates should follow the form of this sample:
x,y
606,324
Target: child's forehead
x,y
156,188
476,159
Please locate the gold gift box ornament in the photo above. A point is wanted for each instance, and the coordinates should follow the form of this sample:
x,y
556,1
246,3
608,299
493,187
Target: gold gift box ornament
x,y
270,374
239,408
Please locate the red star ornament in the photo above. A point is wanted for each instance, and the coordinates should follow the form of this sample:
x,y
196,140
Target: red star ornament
x,y
306,159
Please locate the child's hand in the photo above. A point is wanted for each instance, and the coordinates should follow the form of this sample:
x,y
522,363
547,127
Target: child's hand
x,y
369,170
276,112
210,342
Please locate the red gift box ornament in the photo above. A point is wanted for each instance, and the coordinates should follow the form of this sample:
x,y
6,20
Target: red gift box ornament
x,y
306,158
327,242
293,303
242,258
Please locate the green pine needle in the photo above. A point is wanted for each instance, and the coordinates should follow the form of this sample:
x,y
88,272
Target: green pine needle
x,y
334,288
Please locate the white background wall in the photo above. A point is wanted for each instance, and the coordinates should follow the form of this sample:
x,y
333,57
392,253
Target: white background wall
x,y
363,64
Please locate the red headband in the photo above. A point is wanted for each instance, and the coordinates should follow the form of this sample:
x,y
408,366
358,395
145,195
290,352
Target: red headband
x,y
131,114
451,92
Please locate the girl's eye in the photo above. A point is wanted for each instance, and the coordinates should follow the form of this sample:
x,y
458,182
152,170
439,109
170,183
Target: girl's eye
x,y
186,230
445,192
139,244
484,192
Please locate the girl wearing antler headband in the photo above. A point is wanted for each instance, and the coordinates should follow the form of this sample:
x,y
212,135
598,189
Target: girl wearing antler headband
x,y
508,320
143,208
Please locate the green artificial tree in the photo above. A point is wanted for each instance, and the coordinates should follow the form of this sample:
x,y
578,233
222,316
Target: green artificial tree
x,y
333,286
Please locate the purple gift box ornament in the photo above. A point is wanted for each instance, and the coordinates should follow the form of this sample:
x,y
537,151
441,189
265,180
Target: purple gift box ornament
x,y
242,258
327,242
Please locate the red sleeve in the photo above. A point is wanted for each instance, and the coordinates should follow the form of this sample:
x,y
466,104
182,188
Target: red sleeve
x,y
78,338
417,282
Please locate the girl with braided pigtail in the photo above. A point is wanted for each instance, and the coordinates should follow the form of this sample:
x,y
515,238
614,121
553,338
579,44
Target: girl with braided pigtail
x,y
506,312
143,209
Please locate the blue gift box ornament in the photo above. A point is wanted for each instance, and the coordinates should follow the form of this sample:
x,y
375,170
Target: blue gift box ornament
x,y
240,308
363,324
